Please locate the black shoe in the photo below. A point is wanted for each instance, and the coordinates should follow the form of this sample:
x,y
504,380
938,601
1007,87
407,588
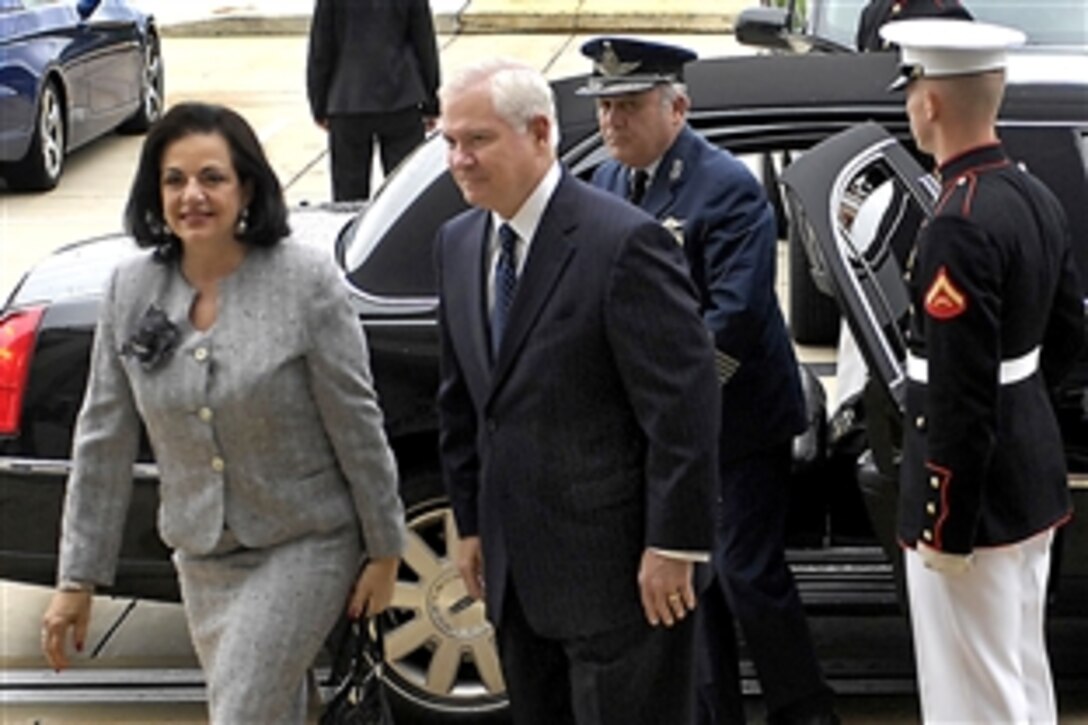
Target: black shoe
x,y
817,710
812,718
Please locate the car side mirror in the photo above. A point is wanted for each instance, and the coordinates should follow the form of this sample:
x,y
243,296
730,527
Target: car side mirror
x,y
764,27
86,7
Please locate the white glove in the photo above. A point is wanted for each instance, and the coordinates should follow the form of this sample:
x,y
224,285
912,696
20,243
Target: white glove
x,y
942,561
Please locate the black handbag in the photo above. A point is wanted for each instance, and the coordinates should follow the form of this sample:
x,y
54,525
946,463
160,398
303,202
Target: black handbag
x,y
359,697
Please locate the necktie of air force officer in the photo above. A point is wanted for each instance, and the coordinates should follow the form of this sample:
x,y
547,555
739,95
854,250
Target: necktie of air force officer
x,y
506,282
638,186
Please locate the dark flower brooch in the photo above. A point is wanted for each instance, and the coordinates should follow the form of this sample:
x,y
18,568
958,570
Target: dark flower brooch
x,y
155,338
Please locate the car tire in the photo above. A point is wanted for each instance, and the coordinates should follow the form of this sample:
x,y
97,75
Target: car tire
x,y
442,661
152,83
814,317
40,169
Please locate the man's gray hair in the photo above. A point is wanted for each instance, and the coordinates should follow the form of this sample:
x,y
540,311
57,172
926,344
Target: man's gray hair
x,y
518,91
671,91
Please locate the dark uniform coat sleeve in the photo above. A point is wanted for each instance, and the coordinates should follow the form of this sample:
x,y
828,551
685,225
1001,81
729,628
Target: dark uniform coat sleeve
x,y
718,212
993,292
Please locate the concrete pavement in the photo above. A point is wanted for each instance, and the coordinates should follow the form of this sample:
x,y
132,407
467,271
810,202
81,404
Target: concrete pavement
x,y
289,17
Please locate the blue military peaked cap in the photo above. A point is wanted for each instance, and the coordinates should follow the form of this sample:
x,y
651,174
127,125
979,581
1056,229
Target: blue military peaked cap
x,y
627,65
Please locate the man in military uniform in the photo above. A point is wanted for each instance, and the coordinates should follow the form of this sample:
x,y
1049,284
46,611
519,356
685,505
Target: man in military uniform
x,y
878,12
718,211
997,318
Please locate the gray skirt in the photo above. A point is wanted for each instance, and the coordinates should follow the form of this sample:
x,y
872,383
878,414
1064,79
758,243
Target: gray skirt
x,y
258,618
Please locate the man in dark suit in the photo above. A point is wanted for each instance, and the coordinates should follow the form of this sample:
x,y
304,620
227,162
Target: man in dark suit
x,y
578,417
997,320
372,76
721,219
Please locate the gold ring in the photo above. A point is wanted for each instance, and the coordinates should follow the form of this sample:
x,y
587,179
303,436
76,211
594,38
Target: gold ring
x,y
674,597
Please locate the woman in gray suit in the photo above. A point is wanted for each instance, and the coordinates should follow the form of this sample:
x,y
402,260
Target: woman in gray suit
x,y
239,352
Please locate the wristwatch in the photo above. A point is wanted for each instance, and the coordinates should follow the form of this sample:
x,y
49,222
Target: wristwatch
x,y
71,585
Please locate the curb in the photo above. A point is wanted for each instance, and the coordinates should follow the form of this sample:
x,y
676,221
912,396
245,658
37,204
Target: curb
x,y
596,22
238,26
476,23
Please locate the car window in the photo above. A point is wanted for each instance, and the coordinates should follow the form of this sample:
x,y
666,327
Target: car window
x,y
836,20
8,6
878,221
1045,22
390,250
856,201
864,271
390,253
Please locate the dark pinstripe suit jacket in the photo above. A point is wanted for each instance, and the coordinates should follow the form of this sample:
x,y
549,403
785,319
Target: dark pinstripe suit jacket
x,y
593,435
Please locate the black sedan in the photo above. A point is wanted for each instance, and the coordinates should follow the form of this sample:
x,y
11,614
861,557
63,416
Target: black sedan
x,y
441,652
832,25
1052,27
71,72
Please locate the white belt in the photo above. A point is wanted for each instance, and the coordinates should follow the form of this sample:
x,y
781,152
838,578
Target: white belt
x,y
1011,371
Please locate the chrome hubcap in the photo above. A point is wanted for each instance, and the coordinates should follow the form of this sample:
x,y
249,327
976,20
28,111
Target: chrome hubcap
x,y
51,127
152,84
440,647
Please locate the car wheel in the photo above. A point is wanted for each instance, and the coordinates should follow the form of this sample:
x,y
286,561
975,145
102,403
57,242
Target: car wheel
x,y
41,168
441,655
814,316
151,90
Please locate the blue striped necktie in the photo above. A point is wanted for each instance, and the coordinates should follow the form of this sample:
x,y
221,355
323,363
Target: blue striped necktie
x,y
506,282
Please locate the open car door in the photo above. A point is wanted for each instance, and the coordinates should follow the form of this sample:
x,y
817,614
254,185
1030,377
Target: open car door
x,y
857,200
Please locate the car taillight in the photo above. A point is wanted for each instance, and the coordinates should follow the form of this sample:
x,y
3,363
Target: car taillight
x,y
18,330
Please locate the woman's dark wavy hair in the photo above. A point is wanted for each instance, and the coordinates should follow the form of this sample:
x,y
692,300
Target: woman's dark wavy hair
x,y
266,223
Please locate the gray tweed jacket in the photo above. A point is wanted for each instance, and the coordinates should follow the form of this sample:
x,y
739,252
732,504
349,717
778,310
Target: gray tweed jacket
x,y
267,423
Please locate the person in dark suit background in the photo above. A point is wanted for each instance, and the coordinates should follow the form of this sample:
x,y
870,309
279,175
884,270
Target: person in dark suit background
x,y
997,321
578,417
372,76
722,220
878,12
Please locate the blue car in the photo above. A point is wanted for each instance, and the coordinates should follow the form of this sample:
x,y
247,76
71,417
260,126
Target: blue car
x,y
71,72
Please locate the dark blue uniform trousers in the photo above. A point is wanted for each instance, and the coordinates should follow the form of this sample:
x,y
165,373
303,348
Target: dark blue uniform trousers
x,y
748,578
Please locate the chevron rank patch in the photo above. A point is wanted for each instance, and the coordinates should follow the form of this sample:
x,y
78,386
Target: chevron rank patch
x,y
943,299
727,366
